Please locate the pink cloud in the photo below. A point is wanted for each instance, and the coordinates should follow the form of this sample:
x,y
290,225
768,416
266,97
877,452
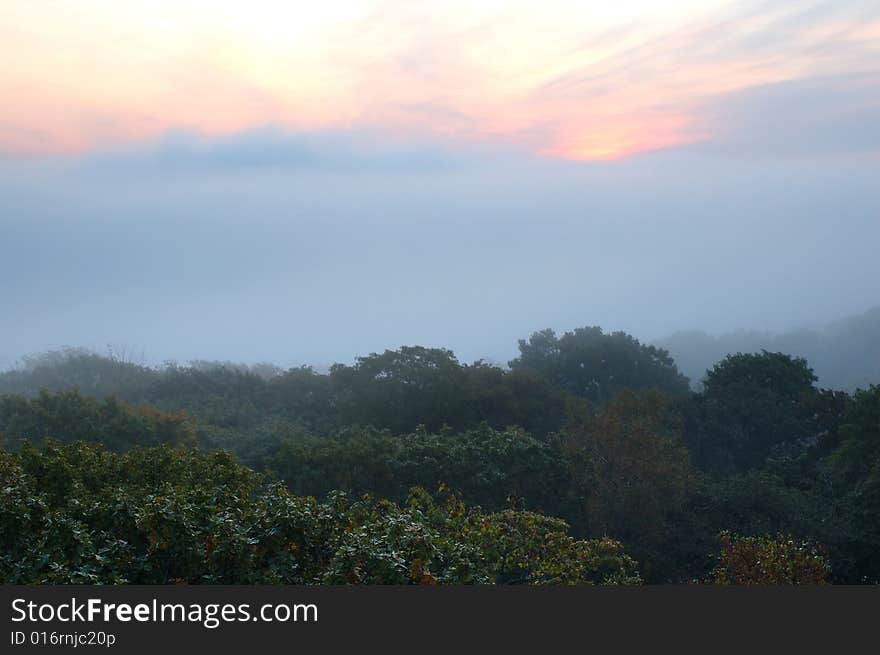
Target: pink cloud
x,y
550,81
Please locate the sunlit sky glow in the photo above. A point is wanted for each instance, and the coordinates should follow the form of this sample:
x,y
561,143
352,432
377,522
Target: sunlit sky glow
x,y
580,80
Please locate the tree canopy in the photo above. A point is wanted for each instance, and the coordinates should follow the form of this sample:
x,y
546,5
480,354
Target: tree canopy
x,y
589,454
592,364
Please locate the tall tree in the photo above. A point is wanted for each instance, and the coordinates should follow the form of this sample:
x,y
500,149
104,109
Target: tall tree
x,y
636,481
592,364
401,389
855,467
753,406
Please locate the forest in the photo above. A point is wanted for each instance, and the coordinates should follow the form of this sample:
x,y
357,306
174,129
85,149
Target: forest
x,y
590,458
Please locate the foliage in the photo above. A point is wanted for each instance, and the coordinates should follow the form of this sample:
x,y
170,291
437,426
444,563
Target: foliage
x,y
72,368
635,480
769,561
224,397
70,416
594,365
488,466
517,398
752,407
402,389
302,397
399,389
785,376
577,430
854,471
76,513
758,502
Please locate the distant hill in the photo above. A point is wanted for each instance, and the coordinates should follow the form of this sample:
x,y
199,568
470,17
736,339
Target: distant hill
x,y
845,354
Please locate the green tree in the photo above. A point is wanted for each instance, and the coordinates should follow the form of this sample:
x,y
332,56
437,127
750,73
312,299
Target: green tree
x,y
77,368
594,365
401,389
636,481
855,473
487,466
516,398
753,406
303,397
70,416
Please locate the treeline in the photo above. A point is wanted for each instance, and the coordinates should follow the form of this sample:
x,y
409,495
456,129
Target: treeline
x,y
594,428
244,409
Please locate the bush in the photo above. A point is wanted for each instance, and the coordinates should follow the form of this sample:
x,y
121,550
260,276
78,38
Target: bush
x,y
767,560
79,514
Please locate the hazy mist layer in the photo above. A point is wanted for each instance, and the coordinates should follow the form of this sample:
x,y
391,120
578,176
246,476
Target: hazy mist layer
x,y
318,248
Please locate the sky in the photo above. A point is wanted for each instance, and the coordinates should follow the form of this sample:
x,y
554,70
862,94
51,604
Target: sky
x,y
304,182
